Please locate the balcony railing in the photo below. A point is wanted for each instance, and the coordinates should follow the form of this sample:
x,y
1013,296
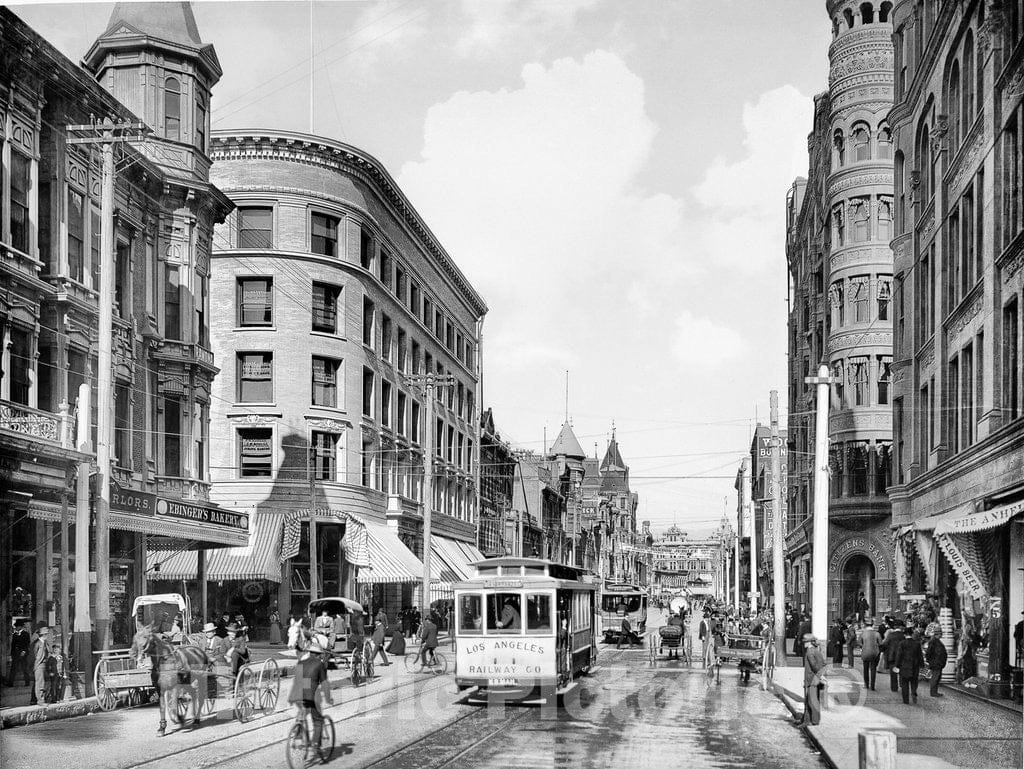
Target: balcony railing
x,y
35,423
183,488
185,352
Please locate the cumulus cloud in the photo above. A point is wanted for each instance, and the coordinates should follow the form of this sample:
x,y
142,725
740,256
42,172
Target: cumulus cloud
x,y
701,343
494,23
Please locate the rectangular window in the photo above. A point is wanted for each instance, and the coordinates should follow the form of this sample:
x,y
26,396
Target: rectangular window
x,y
172,437
449,453
255,301
884,379
21,366
884,296
414,354
400,414
255,227
323,234
201,122
386,337
414,421
897,430
255,452
967,241
438,436
400,284
172,302
979,376
470,614
538,613
952,404
979,226
439,325
860,298
368,318
1013,178
255,377
385,403
504,613
122,426
967,421
367,393
123,293
95,227
21,184
414,299
954,266
76,235
428,313
402,351
325,456
860,381
365,249
925,422
325,308
901,315
385,269
366,464
202,310
325,381
1012,360
449,336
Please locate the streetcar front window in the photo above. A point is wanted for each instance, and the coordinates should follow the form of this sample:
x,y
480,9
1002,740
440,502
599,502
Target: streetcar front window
x,y
620,604
504,613
538,613
471,614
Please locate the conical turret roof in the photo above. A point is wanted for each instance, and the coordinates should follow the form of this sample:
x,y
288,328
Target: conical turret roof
x,y
173,22
567,445
612,458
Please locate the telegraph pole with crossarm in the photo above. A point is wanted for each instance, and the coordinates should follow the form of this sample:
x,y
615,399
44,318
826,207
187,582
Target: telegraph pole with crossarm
x,y
819,547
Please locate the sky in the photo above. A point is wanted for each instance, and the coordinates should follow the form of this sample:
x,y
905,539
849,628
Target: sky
x,y
610,175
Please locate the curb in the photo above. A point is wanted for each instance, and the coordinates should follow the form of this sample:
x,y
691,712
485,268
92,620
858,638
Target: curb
x,y
789,702
979,698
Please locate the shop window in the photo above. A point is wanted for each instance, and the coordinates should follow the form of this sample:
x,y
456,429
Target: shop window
x,y
255,452
255,301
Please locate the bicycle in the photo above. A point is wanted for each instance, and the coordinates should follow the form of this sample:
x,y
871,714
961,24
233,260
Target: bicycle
x,y
299,748
357,665
368,652
438,663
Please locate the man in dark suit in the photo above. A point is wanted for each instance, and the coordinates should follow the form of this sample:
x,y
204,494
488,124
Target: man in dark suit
x,y
909,659
814,664
890,648
20,642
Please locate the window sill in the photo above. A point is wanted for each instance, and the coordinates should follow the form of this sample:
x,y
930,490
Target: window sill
x,y
262,406
329,409
329,335
255,328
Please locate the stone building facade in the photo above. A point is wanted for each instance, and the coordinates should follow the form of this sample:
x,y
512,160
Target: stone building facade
x,y
958,244
150,65
839,224
332,296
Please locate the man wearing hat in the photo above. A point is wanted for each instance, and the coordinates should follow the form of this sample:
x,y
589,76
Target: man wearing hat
x,y
309,677
935,657
890,646
814,664
216,646
20,643
870,651
39,651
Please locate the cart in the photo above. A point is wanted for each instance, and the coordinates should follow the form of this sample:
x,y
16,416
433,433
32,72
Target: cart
x,y
255,689
672,639
337,645
750,653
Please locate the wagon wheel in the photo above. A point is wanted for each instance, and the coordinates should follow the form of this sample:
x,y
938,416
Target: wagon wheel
x,y
106,697
269,684
245,693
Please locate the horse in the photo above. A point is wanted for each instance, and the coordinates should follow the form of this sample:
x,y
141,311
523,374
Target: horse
x,y
174,668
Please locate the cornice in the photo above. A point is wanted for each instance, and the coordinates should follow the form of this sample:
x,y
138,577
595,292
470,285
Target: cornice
x,y
855,339
867,175
870,35
297,147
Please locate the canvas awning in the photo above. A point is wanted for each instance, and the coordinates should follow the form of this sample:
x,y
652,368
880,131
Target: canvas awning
x,y
971,520
451,556
390,560
257,560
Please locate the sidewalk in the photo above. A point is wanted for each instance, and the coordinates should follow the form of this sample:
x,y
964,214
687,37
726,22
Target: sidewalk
x,y
933,734
15,709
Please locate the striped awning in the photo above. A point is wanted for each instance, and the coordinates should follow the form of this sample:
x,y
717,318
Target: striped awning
x,y
390,560
257,560
446,561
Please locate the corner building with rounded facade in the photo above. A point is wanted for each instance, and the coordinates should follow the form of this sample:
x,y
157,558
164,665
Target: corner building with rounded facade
x,y
839,227
331,293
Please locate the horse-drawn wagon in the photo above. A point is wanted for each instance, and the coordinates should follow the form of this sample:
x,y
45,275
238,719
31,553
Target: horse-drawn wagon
x,y
750,653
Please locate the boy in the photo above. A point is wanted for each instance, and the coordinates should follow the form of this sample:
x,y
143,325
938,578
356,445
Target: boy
x,y
310,676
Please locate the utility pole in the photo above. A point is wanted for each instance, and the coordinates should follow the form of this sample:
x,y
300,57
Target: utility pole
x,y
314,567
83,622
105,134
777,567
819,547
748,512
428,382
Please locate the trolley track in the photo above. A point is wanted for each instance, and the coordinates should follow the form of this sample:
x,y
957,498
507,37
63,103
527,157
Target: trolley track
x,y
281,717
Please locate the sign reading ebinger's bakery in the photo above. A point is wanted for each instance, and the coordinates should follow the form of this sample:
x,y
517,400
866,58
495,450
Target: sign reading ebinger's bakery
x,y
202,514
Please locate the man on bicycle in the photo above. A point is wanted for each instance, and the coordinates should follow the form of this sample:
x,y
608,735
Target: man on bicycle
x,y
310,676
428,635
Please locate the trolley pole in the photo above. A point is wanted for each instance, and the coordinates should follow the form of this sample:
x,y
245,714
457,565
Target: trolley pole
x,y
819,546
779,599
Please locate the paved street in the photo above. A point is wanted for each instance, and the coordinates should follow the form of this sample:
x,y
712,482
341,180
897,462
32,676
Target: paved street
x,y
626,712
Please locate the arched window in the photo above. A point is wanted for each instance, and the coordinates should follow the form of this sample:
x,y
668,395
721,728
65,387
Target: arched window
x,y
884,142
899,177
953,104
848,15
924,164
861,141
883,12
867,13
968,85
835,27
172,109
840,143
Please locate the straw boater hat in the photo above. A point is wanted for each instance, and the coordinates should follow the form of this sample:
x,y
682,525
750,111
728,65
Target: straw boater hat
x,y
810,638
209,627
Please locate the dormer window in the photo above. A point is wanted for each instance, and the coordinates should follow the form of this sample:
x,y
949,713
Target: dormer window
x,y
172,109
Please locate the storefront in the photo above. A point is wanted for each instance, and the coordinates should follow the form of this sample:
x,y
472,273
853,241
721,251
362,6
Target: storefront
x,y
861,563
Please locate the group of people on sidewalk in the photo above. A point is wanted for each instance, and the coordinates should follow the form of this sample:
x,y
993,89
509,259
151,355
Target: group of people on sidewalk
x,y
37,658
893,647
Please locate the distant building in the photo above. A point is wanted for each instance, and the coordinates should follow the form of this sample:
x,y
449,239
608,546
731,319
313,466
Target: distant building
x,y
958,407
497,475
693,567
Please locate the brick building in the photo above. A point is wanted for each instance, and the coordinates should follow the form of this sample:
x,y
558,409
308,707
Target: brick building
x,y
150,65
839,223
958,490
331,292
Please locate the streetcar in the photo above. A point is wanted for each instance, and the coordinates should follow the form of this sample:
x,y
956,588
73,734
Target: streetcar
x,y
620,601
525,628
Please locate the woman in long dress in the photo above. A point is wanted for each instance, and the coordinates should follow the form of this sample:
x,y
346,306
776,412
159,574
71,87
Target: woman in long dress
x,y
275,628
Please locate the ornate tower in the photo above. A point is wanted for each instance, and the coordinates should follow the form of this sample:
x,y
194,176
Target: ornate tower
x,y
857,205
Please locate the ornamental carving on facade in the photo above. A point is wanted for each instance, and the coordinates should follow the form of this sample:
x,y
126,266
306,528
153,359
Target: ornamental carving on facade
x,y
965,319
328,425
862,180
967,162
860,62
23,134
928,356
1014,87
252,419
1013,266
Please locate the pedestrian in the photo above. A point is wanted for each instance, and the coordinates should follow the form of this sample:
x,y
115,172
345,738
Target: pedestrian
x,y
216,645
382,618
836,639
814,665
39,651
626,634
238,648
275,627
802,629
397,644
870,642
356,631
20,643
414,622
935,656
890,647
909,661
862,606
851,642
378,640
405,617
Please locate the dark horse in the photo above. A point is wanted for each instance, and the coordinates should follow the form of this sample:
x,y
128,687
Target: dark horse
x,y
177,671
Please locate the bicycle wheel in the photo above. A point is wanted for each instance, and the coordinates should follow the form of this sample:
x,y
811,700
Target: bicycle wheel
x,y
440,664
412,662
368,668
357,672
327,740
296,746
